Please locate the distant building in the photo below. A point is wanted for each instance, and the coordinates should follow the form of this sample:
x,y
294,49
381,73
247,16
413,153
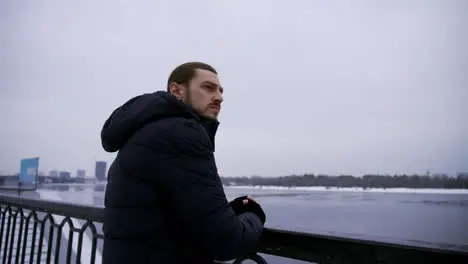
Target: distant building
x,y
101,170
462,175
53,173
64,176
80,173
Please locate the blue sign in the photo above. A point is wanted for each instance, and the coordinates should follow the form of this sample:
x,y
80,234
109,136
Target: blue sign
x,y
28,170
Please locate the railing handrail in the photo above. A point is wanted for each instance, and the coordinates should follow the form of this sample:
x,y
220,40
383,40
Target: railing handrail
x,y
274,241
73,210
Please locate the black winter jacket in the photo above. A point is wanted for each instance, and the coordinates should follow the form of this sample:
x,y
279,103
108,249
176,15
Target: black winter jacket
x,y
164,201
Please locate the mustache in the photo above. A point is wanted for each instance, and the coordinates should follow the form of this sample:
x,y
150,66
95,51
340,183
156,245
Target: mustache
x,y
215,105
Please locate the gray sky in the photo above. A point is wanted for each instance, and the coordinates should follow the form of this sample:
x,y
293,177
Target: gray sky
x,y
310,86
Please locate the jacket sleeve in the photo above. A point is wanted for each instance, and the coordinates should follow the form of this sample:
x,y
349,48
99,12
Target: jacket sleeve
x,y
197,196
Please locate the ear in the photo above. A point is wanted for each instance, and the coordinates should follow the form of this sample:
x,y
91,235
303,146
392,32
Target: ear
x,y
177,90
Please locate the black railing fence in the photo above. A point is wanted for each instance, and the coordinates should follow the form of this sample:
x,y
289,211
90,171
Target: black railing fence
x,y
37,231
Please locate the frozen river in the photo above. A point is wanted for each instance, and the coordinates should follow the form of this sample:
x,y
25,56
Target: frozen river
x,y
430,217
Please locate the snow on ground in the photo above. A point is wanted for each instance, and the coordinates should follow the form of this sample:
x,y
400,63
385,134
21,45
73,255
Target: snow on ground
x,y
357,189
315,188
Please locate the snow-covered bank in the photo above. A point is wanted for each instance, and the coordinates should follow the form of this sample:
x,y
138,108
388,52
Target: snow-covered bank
x,y
356,189
281,188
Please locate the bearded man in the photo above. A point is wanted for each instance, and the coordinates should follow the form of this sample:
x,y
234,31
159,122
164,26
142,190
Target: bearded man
x,y
164,200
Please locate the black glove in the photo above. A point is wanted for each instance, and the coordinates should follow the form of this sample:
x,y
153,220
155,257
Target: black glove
x,y
239,207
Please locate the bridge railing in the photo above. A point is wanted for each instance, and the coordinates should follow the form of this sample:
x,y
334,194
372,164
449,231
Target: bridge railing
x,y
37,231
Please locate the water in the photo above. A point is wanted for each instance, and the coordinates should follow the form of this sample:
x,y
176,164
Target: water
x,y
432,219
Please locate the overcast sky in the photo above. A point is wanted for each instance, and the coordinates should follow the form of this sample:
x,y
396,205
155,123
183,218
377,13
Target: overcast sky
x,y
338,87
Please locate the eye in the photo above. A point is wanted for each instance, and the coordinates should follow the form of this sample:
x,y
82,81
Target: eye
x,y
209,87
212,87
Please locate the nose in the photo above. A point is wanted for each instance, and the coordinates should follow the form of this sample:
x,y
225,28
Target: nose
x,y
218,97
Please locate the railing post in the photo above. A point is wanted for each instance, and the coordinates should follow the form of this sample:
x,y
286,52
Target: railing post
x,y
12,238
20,233
4,241
20,184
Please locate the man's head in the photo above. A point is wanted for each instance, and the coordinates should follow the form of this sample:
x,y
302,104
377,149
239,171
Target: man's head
x,y
197,84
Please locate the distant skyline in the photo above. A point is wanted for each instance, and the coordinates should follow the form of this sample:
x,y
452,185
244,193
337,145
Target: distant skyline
x,y
333,87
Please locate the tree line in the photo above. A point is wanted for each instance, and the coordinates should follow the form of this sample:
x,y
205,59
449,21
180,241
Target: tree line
x,y
366,181
342,181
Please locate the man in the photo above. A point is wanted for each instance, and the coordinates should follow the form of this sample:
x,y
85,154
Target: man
x,y
164,200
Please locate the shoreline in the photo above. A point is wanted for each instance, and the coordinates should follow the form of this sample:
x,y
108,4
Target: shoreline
x,y
296,188
353,189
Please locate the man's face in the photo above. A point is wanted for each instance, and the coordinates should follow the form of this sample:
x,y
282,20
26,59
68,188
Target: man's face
x,y
203,93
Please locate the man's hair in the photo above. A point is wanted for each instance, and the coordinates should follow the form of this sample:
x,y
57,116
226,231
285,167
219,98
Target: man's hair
x,y
184,73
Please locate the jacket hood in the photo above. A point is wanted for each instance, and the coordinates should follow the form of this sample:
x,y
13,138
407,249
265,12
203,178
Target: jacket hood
x,y
142,110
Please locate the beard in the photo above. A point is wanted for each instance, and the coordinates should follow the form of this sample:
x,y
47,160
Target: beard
x,y
187,97
188,101
200,112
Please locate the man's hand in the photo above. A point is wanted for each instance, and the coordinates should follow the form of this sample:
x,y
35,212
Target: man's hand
x,y
247,204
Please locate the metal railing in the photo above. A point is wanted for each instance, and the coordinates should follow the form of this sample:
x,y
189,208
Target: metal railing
x,y
37,231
